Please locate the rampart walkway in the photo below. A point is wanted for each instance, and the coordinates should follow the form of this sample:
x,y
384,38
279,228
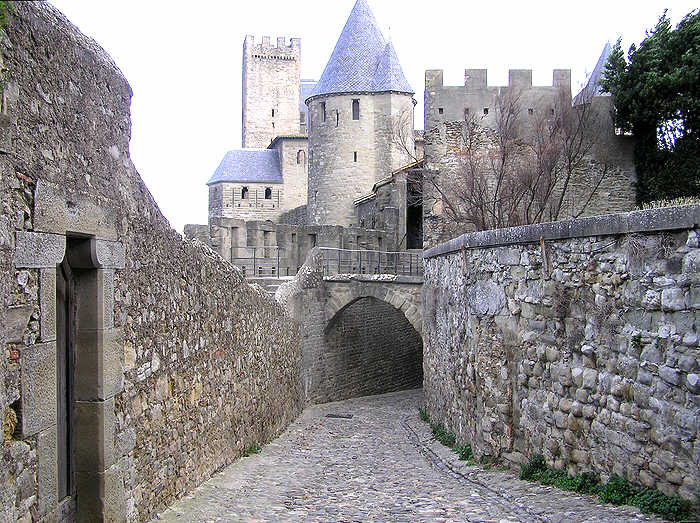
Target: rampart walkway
x,y
380,465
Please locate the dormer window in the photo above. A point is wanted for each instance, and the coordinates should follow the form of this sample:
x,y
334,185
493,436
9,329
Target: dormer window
x,y
356,109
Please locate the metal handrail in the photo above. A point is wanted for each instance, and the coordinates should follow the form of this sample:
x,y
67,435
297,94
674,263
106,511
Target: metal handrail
x,y
367,261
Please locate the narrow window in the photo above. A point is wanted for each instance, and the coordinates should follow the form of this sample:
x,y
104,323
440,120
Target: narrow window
x,y
552,111
323,111
273,113
486,111
337,117
301,157
441,110
356,109
312,239
268,193
379,242
359,241
294,237
530,111
244,193
355,155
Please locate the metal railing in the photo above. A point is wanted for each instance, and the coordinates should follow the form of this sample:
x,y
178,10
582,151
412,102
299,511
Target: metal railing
x,y
262,261
346,261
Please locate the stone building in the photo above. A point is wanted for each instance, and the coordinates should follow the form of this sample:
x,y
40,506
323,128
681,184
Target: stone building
x,y
312,150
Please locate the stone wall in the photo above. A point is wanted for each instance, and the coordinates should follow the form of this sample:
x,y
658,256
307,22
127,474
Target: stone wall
x,y
178,364
603,180
230,200
577,340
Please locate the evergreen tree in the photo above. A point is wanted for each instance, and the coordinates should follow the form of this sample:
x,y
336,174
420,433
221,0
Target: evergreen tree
x,y
657,97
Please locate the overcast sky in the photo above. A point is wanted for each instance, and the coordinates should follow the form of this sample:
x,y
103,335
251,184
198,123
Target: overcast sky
x,y
183,61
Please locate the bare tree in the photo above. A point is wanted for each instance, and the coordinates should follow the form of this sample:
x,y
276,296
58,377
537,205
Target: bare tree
x,y
520,171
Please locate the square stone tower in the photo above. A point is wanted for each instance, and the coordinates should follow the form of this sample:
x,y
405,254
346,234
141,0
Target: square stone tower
x,y
270,90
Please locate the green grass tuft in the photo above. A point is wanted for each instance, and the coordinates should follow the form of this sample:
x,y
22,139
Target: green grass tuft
x,y
255,448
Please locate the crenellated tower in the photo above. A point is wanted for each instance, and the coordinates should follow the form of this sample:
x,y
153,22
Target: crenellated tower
x,y
271,91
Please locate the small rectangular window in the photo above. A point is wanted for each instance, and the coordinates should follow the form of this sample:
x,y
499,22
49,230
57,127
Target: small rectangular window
x,y
356,109
441,110
354,155
486,111
312,239
337,117
294,237
530,111
273,113
323,111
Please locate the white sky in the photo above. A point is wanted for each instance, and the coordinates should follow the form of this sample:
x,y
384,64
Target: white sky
x,y
183,61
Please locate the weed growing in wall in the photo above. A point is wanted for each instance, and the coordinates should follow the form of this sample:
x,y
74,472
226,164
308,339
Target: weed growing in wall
x,y
5,10
255,448
616,491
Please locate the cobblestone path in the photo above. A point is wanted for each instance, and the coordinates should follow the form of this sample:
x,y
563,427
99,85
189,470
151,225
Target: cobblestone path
x,y
380,465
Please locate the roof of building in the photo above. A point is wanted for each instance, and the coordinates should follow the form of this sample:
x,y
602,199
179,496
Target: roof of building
x,y
593,86
362,60
249,165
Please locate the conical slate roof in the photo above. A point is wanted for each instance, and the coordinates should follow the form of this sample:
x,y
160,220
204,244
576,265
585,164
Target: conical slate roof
x,y
362,60
593,86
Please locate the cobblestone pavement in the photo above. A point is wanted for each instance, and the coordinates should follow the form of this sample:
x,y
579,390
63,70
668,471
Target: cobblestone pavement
x,y
380,465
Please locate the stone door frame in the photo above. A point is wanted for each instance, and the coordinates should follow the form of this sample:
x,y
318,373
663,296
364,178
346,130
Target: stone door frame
x,y
74,226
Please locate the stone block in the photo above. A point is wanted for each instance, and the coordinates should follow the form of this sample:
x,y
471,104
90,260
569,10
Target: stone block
x,y
673,299
16,319
98,364
47,452
39,250
670,375
47,303
109,254
94,435
590,379
96,303
59,210
38,364
102,496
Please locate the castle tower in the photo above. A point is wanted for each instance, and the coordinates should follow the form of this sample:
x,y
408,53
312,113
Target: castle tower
x,y
355,112
270,90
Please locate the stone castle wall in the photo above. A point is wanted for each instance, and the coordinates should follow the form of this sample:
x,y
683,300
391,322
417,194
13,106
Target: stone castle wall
x,y
603,183
179,364
336,179
577,340
270,83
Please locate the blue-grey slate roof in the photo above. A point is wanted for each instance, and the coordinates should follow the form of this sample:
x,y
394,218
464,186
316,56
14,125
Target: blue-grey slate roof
x,y
362,60
249,165
593,86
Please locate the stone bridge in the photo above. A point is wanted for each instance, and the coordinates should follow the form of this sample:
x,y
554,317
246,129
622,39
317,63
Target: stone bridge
x,y
361,334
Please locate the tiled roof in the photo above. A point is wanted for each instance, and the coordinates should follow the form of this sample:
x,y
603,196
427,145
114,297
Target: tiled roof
x,y
593,86
362,60
249,165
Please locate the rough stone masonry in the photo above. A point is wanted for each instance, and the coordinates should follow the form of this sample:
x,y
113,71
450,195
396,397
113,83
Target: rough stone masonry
x,y
179,365
577,340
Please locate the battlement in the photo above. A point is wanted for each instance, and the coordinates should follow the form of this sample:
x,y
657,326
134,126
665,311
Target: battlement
x,y
265,49
477,79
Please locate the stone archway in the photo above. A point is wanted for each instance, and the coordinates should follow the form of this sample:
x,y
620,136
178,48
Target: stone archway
x,y
370,347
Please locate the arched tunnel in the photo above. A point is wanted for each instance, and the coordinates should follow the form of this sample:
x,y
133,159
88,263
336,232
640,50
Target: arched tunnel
x,y
370,348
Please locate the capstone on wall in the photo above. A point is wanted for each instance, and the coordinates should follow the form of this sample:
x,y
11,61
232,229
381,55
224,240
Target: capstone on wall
x,y
576,340
348,156
271,90
179,364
